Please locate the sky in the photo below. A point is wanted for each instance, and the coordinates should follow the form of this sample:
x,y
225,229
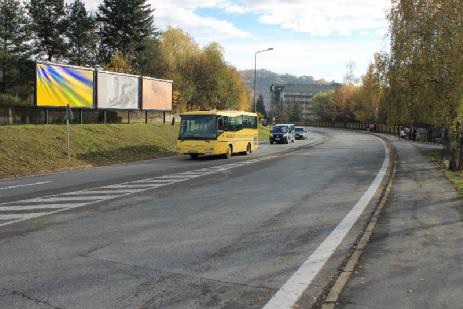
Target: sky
x,y
309,37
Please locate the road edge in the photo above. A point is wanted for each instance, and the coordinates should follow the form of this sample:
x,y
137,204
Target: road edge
x,y
330,298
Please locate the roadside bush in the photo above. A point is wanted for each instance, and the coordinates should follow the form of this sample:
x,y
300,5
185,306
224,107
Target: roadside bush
x,y
8,100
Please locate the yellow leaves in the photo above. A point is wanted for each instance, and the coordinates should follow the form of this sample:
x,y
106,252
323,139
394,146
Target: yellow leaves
x,y
119,63
425,67
201,77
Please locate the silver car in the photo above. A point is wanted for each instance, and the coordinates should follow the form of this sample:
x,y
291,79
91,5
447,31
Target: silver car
x,y
301,133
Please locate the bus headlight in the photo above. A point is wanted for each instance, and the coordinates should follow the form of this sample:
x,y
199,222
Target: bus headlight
x,y
209,149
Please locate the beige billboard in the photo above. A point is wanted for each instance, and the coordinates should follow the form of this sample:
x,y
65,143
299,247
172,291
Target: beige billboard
x,y
157,94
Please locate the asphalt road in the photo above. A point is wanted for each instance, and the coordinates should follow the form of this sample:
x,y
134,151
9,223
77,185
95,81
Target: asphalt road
x,y
177,233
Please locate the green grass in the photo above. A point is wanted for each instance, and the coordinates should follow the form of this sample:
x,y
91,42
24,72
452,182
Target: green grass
x,y
264,133
33,149
433,154
456,178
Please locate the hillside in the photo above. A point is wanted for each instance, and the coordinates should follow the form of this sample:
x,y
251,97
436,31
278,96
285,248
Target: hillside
x,y
266,78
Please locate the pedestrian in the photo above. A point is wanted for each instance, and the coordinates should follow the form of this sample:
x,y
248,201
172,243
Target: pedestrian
x,y
406,133
414,133
402,134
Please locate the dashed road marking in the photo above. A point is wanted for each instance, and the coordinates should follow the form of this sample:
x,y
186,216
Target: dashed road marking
x,y
18,217
41,206
38,207
26,185
68,199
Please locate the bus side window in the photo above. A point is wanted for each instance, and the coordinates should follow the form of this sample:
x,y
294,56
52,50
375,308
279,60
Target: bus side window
x,y
246,122
238,123
253,122
220,124
226,124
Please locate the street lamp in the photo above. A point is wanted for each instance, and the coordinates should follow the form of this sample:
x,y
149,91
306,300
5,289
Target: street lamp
x,y
255,73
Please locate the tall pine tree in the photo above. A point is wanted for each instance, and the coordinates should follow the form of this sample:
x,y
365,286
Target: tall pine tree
x,y
260,106
82,38
124,25
14,35
48,24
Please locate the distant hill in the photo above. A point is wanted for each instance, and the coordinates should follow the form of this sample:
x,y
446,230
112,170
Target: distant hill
x,y
266,78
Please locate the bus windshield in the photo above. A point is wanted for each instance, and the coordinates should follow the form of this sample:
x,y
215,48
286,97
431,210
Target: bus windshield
x,y
201,127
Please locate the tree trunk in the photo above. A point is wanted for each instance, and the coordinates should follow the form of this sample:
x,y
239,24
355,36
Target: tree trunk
x,y
451,149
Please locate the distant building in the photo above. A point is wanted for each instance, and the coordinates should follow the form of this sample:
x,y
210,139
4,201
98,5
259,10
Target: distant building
x,y
293,102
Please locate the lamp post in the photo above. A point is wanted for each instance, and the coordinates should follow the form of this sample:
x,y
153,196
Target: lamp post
x,y
255,73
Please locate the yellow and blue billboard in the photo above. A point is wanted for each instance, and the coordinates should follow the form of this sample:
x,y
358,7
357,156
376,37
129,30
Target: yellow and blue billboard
x,y
58,86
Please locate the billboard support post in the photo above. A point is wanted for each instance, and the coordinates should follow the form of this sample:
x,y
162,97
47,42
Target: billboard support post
x,y
46,116
104,117
68,117
81,116
128,117
69,140
146,117
164,117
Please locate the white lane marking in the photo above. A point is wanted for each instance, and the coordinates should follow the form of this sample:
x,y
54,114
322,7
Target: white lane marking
x,y
291,291
132,186
205,171
191,173
154,181
26,185
189,176
69,199
20,216
41,206
114,192
96,192
171,177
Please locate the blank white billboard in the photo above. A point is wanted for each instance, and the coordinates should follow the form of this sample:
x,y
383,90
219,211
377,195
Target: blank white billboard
x,y
117,91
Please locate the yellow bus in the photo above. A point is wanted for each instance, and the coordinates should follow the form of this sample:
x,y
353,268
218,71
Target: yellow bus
x,y
214,133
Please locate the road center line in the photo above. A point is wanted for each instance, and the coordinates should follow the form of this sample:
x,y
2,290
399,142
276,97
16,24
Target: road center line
x,y
26,185
291,291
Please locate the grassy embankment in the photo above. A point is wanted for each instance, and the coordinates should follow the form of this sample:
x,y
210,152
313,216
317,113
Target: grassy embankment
x,y
28,149
264,133
456,178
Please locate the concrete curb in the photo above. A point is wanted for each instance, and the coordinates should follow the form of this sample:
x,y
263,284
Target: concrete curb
x,y
335,292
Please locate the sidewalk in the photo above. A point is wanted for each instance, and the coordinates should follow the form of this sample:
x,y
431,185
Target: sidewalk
x,y
415,256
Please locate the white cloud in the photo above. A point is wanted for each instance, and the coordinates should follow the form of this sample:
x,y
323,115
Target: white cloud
x,y
321,17
181,13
